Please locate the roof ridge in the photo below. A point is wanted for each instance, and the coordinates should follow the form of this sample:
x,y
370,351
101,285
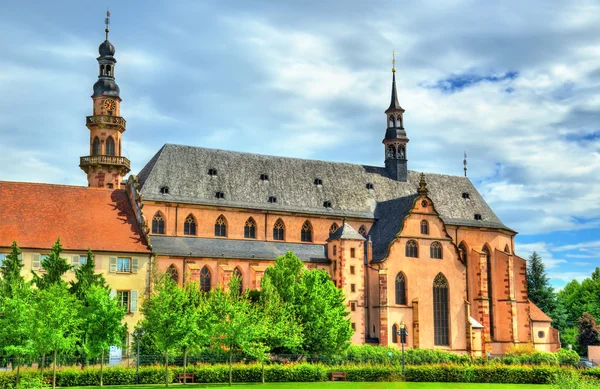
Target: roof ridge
x,y
57,185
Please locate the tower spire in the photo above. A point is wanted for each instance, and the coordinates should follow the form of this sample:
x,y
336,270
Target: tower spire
x,y
107,22
465,164
394,104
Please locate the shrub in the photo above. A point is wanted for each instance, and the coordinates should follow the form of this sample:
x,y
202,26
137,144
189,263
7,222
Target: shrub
x,y
567,357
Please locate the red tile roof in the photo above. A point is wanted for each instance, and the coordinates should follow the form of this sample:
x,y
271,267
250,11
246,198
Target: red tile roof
x,y
35,215
537,314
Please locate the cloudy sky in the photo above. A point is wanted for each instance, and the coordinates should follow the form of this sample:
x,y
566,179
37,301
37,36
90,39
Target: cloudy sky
x,y
516,85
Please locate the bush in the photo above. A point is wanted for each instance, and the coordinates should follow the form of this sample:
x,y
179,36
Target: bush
x,y
567,357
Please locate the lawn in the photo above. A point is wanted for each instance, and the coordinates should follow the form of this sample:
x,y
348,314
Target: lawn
x,y
336,385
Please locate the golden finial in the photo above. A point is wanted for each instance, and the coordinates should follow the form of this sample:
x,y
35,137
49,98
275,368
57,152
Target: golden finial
x,y
394,61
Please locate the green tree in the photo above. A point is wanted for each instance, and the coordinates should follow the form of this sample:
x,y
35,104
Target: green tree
x,y
196,322
539,290
55,267
86,278
588,333
10,270
55,323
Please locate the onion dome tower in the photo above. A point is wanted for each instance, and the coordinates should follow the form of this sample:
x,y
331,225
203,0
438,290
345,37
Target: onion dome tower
x,y
105,167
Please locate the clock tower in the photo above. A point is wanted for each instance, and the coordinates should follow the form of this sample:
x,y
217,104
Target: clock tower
x,y
105,166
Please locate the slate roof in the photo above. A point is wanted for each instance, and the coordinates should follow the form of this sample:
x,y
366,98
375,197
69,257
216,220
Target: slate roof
x,y
346,232
536,314
230,248
35,215
184,170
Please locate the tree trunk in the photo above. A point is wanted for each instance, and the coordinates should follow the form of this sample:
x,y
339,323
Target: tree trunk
x,y
43,363
101,365
18,371
167,368
185,366
54,371
230,364
262,368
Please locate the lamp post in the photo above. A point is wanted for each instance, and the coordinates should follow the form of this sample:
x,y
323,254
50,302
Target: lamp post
x,y
403,334
138,333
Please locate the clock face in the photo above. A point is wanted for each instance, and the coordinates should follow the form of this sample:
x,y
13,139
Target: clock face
x,y
110,105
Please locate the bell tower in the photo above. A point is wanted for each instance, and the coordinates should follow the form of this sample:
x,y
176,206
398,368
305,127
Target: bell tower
x,y
395,137
105,166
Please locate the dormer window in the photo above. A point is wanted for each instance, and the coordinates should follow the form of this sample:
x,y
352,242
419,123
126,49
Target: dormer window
x,y
466,195
220,195
164,190
318,181
327,204
264,177
272,199
212,172
478,216
370,186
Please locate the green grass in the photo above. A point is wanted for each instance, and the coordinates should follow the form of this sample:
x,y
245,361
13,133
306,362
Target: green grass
x,y
334,385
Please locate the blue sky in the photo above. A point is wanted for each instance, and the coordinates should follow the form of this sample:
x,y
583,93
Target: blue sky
x,y
516,85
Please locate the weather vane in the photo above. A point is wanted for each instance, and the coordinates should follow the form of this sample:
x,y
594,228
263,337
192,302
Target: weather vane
x,y
465,163
107,22
394,61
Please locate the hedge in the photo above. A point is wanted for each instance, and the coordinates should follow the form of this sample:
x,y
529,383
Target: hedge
x,y
304,372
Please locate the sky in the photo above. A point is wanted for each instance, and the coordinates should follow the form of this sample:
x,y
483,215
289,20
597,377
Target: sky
x,y
515,85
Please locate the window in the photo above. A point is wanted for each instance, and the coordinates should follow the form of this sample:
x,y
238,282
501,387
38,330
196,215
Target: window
x,y
43,259
279,230
352,252
327,204
391,152
2,258
109,186
435,250
158,224
78,261
424,203
334,250
110,146
352,270
478,216
541,334
363,231
400,289
212,172
96,146
353,306
306,233
164,189
507,249
441,330
462,251
466,196
264,177
272,199
173,273
250,229
394,333
124,265
352,288
189,225
318,181
370,186
220,195
353,325
123,299
205,279
424,227
412,250
221,226
490,285
238,273
334,227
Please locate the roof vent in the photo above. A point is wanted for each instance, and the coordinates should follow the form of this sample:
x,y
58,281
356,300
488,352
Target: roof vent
x,y
220,195
264,177
164,189
370,186
466,195
318,181
272,199
327,204
212,172
477,216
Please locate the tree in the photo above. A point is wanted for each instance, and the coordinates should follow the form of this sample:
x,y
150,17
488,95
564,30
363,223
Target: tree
x,y
85,278
12,280
196,322
164,317
55,267
55,322
539,290
588,332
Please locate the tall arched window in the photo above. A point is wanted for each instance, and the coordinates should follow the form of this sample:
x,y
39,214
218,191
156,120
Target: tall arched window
x,y
250,229
363,231
205,279
221,226
441,328
334,227
96,146
306,233
412,250
238,273
110,146
391,121
278,230
394,333
158,223
391,151
424,227
173,273
462,251
400,289
488,256
435,250
189,225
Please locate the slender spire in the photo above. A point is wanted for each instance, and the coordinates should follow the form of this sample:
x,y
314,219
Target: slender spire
x,y
465,164
107,22
394,104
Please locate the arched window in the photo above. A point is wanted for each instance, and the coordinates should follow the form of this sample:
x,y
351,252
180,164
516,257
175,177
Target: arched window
x,y
238,273
278,230
205,279
424,227
462,251
391,121
306,233
412,250
158,223
189,225
399,122
96,146
250,229
441,329
334,227
173,273
101,70
400,289
490,285
391,151
110,146
108,70
401,154
394,333
507,249
435,250
363,230
221,226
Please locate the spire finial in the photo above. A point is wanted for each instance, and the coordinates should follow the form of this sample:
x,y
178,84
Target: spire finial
x,y
465,164
423,191
393,61
107,22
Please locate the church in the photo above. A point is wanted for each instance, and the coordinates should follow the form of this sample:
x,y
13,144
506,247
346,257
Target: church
x,y
421,250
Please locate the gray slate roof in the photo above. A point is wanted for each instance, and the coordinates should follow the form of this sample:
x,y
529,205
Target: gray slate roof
x,y
184,170
229,248
346,232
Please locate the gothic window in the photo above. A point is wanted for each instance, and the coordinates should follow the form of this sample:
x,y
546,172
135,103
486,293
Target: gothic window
x,y
424,227
399,122
250,229
400,289
110,146
158,224
189,225
441,329
96,146
401,152
221,226
394,333
412,250
173,273
238,273
205,279
435,250
279,230
306,233
391,151
488,256
363,230
462,250
334,227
